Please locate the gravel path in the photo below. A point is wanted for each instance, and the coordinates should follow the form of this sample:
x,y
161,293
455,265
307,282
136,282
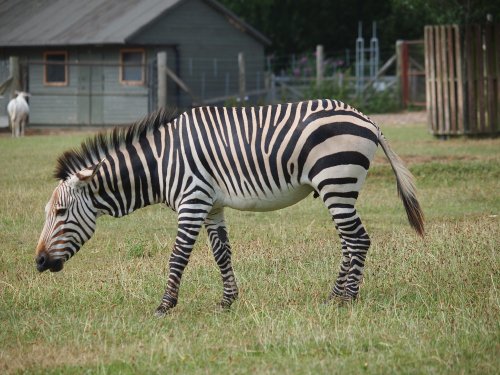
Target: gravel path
x,y
401,118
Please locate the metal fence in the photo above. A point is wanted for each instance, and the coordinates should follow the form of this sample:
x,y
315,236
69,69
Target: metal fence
x,y
215,81
298,78
94,94
4,93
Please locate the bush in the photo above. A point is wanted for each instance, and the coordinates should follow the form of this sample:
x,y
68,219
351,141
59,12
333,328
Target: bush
x,y
342,88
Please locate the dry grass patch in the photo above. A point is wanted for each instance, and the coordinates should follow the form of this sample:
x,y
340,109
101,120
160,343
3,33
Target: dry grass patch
x,y
426,306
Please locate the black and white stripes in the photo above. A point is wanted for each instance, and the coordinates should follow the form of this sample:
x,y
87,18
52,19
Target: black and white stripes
x,y
208,158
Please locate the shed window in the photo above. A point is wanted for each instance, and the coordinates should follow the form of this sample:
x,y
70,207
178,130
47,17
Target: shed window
x,y
55,68
132,66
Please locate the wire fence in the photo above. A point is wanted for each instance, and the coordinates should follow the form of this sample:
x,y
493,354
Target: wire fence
x,y
215,81
343,76
5,94
96,94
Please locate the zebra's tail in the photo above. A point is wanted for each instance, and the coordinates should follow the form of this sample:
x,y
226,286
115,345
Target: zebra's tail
x,y
406,187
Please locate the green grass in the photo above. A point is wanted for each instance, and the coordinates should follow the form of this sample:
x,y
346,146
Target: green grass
x,y
426,306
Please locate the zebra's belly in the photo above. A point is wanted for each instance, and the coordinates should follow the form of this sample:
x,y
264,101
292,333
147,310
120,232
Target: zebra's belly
x,y
276,201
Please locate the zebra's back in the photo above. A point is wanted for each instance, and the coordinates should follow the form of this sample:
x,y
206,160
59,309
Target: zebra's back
x,y
269,157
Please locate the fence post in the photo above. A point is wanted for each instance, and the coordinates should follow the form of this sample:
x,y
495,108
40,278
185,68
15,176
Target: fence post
x,y
162,79
319,64
272,88
399,71
15,73
242,78
374,52
360,61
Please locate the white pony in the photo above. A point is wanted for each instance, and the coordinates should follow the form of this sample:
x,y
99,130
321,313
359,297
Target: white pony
x,y
19,111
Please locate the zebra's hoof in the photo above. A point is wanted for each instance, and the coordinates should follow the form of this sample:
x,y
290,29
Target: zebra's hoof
x,y
348,299
333,300
225,305
162,310
334,296
340,299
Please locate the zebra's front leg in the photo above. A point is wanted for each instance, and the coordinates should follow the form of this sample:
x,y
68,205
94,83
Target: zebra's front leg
x,y
217,234
190,221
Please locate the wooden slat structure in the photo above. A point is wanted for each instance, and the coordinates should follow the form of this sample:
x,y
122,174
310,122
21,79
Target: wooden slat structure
x,y
462,66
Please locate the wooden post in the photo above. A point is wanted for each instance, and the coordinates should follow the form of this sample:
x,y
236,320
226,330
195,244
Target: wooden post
x,y
460,84
267,84
319,64
451,80
490,79
479,73
497,69
15,85
428,78
272,89
471,84
445,81
405,74
242,78
399,70
439,80
15,73
162,79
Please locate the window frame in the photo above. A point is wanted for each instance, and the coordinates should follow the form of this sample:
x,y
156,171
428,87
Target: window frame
x,y
142,81
46,63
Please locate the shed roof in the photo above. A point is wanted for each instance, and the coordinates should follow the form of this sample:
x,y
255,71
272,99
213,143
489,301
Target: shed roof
x,y
75,22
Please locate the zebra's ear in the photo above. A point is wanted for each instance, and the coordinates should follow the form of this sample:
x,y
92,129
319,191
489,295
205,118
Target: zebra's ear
x,y
83,178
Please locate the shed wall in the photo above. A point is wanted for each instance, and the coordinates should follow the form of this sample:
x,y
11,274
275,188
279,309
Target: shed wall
x,y
94,94
208,46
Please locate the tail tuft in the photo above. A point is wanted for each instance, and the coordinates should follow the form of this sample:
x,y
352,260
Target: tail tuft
x,y
406,188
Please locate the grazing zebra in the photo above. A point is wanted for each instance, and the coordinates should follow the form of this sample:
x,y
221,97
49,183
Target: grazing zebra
x,y
207,158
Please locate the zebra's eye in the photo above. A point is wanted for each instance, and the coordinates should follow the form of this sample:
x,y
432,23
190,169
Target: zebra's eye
x,y
61,211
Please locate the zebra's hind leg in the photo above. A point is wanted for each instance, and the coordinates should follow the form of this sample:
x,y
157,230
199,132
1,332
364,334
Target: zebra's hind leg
x,y
217,234
355,242
338,290
339,196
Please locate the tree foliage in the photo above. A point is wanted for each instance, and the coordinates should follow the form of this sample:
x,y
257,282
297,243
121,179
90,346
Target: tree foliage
x,y
296,26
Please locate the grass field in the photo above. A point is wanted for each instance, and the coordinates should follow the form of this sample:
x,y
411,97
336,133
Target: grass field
x,y
426,306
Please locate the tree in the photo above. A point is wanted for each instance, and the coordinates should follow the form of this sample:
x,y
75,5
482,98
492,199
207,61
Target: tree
x,y
296,26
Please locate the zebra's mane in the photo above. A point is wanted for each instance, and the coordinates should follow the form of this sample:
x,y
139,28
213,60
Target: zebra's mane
x,y
95,148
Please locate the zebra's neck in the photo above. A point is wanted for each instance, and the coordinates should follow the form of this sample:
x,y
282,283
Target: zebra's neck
x,y
131,175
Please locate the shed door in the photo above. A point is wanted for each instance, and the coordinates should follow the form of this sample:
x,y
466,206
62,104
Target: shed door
x,y
90,95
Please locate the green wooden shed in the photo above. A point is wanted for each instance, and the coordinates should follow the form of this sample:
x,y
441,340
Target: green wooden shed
x,y
94,62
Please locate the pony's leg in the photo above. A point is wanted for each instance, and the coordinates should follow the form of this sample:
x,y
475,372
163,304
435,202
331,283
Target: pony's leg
x,y
190,221
217,234
14,128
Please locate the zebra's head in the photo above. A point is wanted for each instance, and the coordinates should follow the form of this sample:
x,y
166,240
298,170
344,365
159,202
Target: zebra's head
x,y
70,221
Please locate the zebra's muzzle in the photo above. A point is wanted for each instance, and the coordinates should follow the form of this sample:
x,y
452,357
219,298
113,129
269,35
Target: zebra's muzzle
x,y
43,263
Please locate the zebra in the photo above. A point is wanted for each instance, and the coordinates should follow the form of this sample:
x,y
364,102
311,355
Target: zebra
x,y
208,158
